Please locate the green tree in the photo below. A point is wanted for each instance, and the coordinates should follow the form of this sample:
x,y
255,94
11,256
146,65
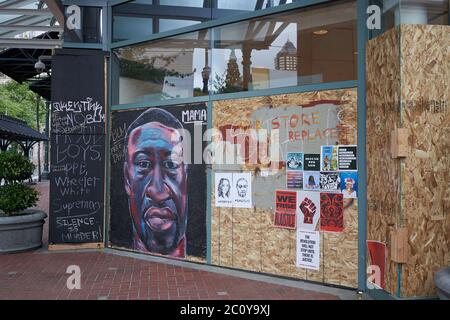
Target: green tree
x,y
18,101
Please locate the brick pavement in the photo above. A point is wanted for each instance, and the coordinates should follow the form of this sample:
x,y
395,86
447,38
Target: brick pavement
x,y
42,275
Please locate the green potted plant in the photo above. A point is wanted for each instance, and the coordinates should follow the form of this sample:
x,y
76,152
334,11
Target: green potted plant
x,y
20,227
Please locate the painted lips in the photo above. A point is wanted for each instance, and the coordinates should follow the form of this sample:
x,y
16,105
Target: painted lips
x,y
159,219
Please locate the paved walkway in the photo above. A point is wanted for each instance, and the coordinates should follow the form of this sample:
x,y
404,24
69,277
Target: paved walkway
x,y
111,274
42,275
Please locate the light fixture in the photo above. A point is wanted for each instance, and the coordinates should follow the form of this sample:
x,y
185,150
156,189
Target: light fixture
x,y
39,66
320,32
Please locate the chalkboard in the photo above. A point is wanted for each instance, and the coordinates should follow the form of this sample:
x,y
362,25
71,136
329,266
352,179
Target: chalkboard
x,y
77,149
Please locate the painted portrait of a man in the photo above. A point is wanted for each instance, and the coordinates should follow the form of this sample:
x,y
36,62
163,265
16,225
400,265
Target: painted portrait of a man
x,y
155,181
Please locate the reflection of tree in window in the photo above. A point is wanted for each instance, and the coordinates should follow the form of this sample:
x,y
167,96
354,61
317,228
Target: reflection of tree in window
x,y
136,64
231,80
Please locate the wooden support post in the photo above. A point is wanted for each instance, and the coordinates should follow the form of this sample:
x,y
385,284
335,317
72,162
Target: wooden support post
x,y
399,143
399,245
76,246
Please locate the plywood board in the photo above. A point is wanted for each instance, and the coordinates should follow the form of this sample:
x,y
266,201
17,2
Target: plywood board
x,y
383,172
256,244
76,246
425,114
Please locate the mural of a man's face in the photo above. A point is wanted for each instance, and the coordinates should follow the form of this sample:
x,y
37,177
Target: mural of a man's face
x,y
241,187
156,184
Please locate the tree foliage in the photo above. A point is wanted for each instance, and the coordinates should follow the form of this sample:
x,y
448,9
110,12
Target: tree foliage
x,y
18,101
15,196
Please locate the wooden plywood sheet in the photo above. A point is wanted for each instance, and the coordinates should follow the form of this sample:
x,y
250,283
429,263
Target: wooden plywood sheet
x,y
426,173
256,244
383,180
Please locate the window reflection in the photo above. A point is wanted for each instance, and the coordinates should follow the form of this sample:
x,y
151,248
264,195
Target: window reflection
x,y
305,46
250,4
177,67
313,45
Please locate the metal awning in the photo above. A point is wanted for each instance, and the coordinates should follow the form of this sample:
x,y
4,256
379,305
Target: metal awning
x,y
15,130
18,63
29,31
22,21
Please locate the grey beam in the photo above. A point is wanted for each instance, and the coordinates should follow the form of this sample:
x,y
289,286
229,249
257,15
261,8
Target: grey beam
x,y
15,27
30,43
15,3
26,12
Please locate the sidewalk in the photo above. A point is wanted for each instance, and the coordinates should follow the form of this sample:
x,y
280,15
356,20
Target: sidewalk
x,y
42,275
112,274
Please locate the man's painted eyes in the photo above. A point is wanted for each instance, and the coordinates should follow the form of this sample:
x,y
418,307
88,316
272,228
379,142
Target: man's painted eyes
x,y
144,164
170,165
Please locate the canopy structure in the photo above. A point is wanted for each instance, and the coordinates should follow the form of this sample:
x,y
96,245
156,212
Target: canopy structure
x,y
15,130
29,31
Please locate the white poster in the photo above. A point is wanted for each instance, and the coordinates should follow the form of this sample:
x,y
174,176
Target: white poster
x,y
308,210
308,249
223,193
242,190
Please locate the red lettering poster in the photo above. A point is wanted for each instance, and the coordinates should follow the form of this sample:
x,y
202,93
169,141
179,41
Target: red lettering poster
x,y
331,212
285,208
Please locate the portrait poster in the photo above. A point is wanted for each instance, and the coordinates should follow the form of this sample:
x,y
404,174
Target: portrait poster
x,y
311,180
308,207
285,209
223,193
294,179
330,181
308,249
242,190
349,184
347,158
328,158
331,212
311,162
158,187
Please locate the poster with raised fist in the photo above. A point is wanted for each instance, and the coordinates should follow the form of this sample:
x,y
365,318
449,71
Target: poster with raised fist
x,y
308,208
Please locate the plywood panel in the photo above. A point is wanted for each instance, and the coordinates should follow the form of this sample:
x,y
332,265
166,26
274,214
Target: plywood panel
x,y
226,237
383,180
426,174
215,232
256,244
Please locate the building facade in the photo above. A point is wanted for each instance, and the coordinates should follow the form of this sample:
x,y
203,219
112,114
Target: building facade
x,y
274,137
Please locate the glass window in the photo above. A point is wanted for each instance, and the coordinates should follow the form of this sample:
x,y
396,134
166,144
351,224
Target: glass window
x,y
250,5
185,3
125,28
396,12
176,67
305,46
134,19
170,24
424,12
